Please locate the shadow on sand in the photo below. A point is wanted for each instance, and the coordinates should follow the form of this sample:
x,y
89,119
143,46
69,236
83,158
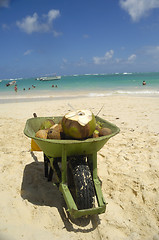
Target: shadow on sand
x,y
38,191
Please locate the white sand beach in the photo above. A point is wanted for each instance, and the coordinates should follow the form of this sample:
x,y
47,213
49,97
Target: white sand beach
x,y
128,165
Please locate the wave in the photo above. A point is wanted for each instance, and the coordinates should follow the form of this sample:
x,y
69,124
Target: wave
x,y
99,94
60,95
12,79
153,92
122,92
125,73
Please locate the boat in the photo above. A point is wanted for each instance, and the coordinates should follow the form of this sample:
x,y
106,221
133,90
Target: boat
x,y
11,83
48,78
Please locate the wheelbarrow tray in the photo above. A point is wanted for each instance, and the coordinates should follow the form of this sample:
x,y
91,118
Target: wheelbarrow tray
x,y
54,148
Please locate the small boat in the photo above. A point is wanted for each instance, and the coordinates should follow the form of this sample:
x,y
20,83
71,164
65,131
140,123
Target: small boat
x,y
11,83
48,78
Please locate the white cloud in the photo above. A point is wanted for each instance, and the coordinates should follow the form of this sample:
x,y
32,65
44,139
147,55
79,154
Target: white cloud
x,y
131,58
56,34
64,60
53,14
32,24
138,8
28,52
151,51
108,58
4,3
5,26
103,60
29,24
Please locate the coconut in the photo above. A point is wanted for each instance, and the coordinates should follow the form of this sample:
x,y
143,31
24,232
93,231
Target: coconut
x,y
79,124
55,132
47,124
105,131
42,133
57,127
95,134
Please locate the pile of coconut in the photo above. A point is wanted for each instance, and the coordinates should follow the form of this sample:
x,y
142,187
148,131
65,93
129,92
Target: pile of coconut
x,y
80,124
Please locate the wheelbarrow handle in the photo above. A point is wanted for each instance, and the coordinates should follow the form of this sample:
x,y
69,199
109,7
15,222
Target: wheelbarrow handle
x,y
35,115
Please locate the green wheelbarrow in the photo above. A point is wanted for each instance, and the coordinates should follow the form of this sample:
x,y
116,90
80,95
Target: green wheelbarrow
x,y
74,163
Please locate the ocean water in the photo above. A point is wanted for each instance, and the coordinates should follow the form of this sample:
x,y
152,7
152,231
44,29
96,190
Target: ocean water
x,y
87,85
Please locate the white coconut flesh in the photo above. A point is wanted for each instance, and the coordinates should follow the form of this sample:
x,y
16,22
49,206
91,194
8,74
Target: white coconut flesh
x,y
83,117
54,126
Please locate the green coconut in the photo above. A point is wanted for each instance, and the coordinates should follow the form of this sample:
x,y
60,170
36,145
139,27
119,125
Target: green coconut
x,y
79,124
47,124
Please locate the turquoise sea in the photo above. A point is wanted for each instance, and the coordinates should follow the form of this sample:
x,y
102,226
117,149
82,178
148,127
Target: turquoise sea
x,y
83,85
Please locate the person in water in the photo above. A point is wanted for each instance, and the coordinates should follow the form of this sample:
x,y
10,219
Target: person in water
x,y
15,88
143,83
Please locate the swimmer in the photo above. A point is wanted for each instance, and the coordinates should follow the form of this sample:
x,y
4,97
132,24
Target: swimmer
x,y
143,83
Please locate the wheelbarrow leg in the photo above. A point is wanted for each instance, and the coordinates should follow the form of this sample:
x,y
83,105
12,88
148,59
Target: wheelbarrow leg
x,y
48,172
50,175
46,165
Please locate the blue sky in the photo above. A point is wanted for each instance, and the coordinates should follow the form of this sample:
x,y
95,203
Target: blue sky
x,y
65,37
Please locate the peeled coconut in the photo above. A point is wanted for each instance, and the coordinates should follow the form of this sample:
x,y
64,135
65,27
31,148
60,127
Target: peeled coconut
x,y
55,132
41,134
47,124
79,124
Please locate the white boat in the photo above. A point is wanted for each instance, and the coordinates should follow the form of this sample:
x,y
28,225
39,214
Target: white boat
x,y
11,83
48,78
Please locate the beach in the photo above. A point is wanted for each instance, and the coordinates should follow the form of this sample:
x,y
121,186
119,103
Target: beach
x,y
128,166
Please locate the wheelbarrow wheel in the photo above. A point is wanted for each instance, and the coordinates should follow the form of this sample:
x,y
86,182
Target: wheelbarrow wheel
x,y
81,186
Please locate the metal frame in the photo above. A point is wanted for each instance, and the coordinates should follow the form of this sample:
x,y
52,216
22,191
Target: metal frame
x,y
63,186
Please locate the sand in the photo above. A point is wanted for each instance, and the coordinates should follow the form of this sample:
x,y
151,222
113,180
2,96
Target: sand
x,y
128,165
